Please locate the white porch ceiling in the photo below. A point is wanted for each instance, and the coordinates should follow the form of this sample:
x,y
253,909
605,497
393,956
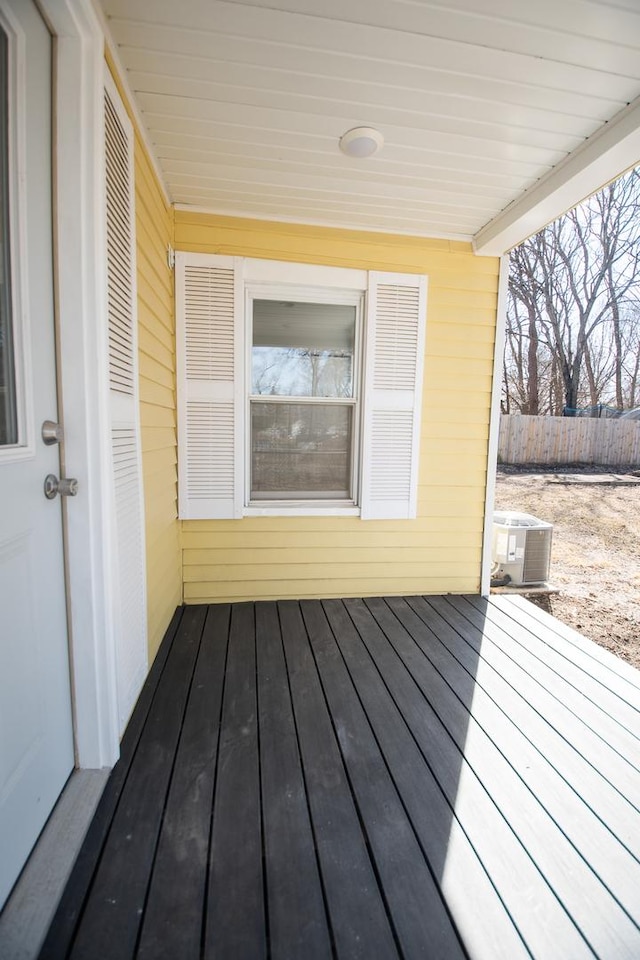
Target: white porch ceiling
x,y
484,105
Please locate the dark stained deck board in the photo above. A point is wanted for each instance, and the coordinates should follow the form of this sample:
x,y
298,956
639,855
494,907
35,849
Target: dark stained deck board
x,y
359,921
235,917
172,924
121,880
599,694
61,933
608,732
604,665
443,617
443,738
392,778
480,918
497,704
505,771
298,923
417,909
612,719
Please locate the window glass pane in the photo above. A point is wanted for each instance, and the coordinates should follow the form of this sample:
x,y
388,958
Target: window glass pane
x,y
8,417
302,349
301,451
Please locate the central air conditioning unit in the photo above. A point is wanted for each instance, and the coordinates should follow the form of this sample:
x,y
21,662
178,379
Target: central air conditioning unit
x,y
521,548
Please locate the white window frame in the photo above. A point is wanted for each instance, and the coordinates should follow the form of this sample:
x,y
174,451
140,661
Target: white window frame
x,y
306,294
24,448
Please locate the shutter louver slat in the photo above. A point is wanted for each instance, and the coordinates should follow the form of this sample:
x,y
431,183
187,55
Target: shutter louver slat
x,y
396,314
129,613
210,396
119,239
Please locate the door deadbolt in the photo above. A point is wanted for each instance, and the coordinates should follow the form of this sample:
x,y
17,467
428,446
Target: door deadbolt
x,y
67,487
52,432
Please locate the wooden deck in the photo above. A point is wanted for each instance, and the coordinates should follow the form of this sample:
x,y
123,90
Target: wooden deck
x,y
439,777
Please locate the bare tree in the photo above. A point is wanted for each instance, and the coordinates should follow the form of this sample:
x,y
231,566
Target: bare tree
x,y
572,288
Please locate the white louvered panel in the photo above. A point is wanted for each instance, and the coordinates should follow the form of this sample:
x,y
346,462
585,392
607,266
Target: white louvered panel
x,y
396,337
391,441
130,608
210,450
210,368
129,576
119,263
209,334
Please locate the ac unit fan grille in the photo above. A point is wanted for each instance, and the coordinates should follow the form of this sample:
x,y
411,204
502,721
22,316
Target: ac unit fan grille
x,y
537,556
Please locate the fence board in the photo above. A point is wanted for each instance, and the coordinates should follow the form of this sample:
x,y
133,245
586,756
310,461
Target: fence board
x,y
555,440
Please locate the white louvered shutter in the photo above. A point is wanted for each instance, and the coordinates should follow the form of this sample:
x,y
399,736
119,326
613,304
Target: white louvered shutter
x,y
395,338
210,355
130,615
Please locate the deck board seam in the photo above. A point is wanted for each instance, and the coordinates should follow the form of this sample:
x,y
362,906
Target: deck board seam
x,y
265,885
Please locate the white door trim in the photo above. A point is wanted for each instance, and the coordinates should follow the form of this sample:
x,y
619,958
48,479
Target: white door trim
x,y
79,224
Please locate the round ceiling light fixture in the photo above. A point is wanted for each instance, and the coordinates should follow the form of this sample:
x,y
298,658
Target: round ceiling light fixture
x,y
361,142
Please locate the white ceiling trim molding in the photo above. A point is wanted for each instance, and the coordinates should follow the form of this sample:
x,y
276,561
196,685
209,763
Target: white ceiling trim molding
x,y
327,224
614,148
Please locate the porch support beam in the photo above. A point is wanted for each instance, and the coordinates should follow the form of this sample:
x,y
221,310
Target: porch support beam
x,y
614,148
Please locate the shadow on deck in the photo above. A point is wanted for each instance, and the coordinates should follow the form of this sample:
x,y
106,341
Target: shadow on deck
x,y
411,777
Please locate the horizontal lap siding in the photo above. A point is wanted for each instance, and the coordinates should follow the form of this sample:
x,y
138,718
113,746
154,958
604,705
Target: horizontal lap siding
x,y
156,344
439,551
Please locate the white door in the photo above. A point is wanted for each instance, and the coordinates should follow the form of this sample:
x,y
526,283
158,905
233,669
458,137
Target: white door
x,y
36,733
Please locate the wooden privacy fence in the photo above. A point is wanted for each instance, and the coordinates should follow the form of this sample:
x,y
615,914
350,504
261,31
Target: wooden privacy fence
x,y
568,440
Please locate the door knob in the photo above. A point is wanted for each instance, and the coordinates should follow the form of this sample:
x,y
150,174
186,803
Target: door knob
x,y
67,487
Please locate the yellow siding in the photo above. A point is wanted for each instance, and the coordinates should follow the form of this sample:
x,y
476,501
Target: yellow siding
x,y
440,551
156,349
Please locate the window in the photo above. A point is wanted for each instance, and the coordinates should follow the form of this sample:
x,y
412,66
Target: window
x,y
299,388
303,400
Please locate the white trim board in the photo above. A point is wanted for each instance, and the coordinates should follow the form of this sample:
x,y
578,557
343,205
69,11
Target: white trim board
x,y
80,233
494,426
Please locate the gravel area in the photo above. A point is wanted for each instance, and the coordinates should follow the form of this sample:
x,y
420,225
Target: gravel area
x,y
595,559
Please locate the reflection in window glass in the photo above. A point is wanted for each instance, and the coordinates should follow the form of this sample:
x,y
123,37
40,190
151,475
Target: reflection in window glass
x,y
301,451
302,349
8,417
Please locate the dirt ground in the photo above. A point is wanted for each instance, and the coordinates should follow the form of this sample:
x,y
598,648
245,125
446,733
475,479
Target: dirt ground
x,y
595,560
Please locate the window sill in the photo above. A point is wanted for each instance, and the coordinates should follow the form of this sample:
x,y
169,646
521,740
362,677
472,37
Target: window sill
x,y
301,510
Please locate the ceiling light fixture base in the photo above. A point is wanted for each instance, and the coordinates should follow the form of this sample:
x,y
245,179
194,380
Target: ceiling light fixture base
x,y
361,142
